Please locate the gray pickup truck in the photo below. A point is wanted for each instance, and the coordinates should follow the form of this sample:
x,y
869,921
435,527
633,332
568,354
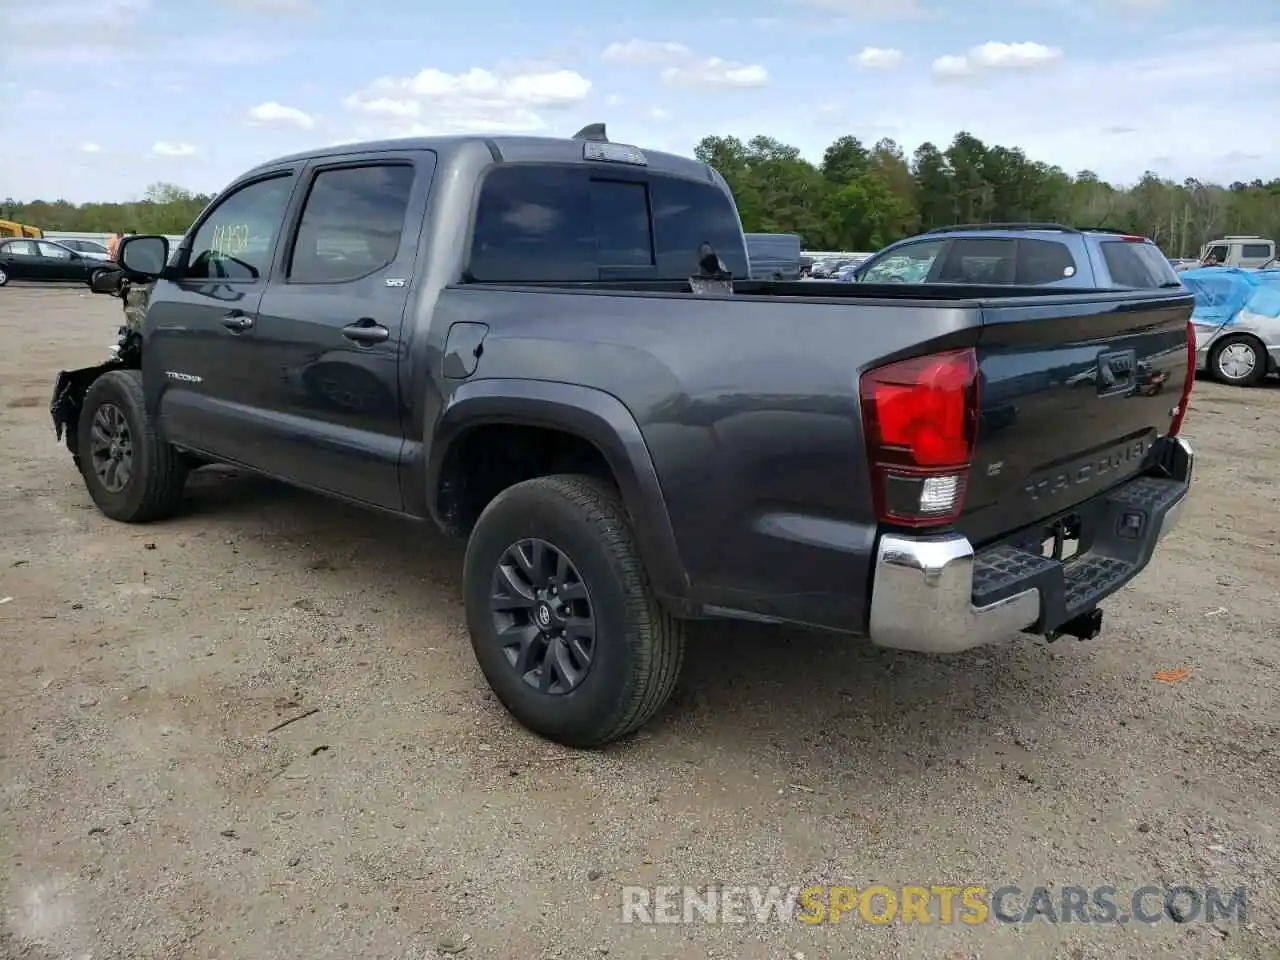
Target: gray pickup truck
x,y
540,344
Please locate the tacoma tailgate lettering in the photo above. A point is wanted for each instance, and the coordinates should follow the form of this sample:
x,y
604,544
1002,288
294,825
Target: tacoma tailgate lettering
x,y
1087,470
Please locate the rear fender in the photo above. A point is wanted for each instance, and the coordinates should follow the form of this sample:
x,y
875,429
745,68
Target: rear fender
x,y
596,417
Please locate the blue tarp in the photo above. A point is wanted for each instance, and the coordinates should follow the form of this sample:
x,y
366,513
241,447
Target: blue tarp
x,y
1227,295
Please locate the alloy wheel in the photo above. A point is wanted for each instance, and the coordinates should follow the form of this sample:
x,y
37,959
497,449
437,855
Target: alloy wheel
x,y
543,617
111,448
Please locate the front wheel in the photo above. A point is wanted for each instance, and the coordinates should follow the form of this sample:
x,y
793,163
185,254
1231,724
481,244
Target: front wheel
x,y
562,618
1238,360
132,475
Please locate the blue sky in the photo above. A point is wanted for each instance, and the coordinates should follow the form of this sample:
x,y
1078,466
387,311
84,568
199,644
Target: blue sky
x,y
99,98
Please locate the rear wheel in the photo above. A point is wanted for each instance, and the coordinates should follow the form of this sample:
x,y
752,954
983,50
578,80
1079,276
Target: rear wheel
x,y
563,622
4,277
132,475
1238,359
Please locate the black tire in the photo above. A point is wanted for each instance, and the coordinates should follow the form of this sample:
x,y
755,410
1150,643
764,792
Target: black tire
x,y
95,275
4,277
155,485
639,647
1238,341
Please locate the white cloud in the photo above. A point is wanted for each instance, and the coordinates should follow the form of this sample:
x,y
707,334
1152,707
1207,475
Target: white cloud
x,y
614,100
164,148
657,113
868,11
273,114
951,65
64,33
646,51
501,100
90,147
994,55
384,107
1061,116
285,7
714,72
878,58
685,68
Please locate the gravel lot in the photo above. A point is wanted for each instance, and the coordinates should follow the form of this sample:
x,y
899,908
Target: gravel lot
x,y
149,811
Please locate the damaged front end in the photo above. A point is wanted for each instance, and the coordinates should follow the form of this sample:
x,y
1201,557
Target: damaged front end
x,y
71,385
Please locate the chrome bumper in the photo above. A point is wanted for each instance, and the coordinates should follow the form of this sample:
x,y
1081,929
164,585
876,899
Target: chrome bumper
x,y
922,594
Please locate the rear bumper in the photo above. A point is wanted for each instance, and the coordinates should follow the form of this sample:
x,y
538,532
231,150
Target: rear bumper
x,y
938,595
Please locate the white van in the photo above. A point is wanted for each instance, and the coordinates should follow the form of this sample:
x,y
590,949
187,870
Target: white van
x,y
1240,251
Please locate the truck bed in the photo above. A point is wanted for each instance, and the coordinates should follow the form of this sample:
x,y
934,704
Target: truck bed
x,y
749,404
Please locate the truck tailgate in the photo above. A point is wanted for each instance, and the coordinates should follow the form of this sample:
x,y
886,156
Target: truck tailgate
x,y
1072,397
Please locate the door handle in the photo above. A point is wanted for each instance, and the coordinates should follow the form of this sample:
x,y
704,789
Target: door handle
x,y
366,332
237,322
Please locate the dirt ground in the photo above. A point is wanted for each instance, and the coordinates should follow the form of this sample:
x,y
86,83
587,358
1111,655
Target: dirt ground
x,y
148,810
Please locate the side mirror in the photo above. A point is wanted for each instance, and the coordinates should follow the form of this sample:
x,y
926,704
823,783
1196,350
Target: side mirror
x,y
106,281
144,256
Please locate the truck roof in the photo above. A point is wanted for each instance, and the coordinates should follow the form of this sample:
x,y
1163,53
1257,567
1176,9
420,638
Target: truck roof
x,y
505,148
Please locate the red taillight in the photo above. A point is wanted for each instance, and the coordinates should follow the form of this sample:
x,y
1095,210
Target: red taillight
x,y
1181,413
1134,239
920,419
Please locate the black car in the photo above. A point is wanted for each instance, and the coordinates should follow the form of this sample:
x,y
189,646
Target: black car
x,y
25,259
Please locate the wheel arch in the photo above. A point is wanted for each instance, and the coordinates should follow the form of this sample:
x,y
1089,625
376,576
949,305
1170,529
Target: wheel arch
x,y
72,385
576,429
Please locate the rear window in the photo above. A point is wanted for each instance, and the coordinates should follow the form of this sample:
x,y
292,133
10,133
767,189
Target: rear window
x,y
1256,250
1138,265
576,223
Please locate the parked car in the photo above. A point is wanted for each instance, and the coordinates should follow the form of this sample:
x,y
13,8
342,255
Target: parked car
x,y
45,260
88,248
826,269
1237,322
1023,254
628,437
774,256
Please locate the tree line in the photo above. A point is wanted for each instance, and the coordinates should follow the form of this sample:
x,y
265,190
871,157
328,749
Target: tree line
x,y
862,197
164,208
858,197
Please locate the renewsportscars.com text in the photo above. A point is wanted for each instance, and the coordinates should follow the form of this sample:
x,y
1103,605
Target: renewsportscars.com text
x,y
938,904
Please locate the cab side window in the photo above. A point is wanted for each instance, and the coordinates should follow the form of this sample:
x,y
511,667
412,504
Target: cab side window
x,y
237,239
909,264
351,223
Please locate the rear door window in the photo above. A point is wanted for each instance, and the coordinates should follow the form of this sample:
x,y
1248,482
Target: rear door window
x,y
1140,266
1044,261
542,223
351,223
979,260
1255,251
